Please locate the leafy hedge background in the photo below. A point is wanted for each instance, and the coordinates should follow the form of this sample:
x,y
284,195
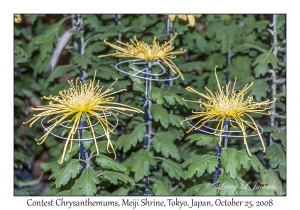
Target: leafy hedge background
x,y
242,46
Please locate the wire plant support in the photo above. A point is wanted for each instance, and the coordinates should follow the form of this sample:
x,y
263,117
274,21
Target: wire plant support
x,y
144,70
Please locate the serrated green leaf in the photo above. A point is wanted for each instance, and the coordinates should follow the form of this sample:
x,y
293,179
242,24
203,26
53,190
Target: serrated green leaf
x,y
215,59
101,147
113,177
280,135
201,189
68,156
82,60
64,193
256,164
139,87
188,67
59,71
121,191
103,36
160,114
169,97
86,183
225,34
87,143
156,95
107,72
259,25
262,61
227,185
244,158
175,120
230,162
259,89
159,188
244,188
53,166
269,184
202,139
127,140
199,165
163,142
109,163
275,153
140,164
172,168
63,175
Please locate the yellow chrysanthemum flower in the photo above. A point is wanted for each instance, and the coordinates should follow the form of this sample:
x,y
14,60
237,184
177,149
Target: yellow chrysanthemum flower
x,y
190,18
87,99
148,53
17,18
230,105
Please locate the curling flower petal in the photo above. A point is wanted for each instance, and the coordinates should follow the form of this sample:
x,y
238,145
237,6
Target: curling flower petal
x,y
148,53
231,105
89,100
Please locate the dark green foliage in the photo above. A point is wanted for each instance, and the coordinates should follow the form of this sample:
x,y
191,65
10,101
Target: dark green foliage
x,y
175,162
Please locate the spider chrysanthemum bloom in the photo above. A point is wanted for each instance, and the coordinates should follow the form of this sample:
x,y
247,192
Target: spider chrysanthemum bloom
x,y
89,99
228,105
190,18
149,53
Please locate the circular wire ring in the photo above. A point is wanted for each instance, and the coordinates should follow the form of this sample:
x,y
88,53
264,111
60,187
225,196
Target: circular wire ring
x,y
147,75
227,135
87,139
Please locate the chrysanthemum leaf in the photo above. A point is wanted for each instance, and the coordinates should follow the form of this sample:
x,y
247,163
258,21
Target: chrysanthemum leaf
x,y
63,175
188,67
160,114
259,89
163,142
82,60
159,188
121,191
86,183
157,95
175,120
228,185
202,139
230,162
59,71
199,164
127,140
109,163
140,163
107,72
101,146
172,168
244,158
273,183
113,177
262,61
68,156
280,135
64,193
18,156
244,188
201,189
53,166
225,34
87,143
256,164
275,153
